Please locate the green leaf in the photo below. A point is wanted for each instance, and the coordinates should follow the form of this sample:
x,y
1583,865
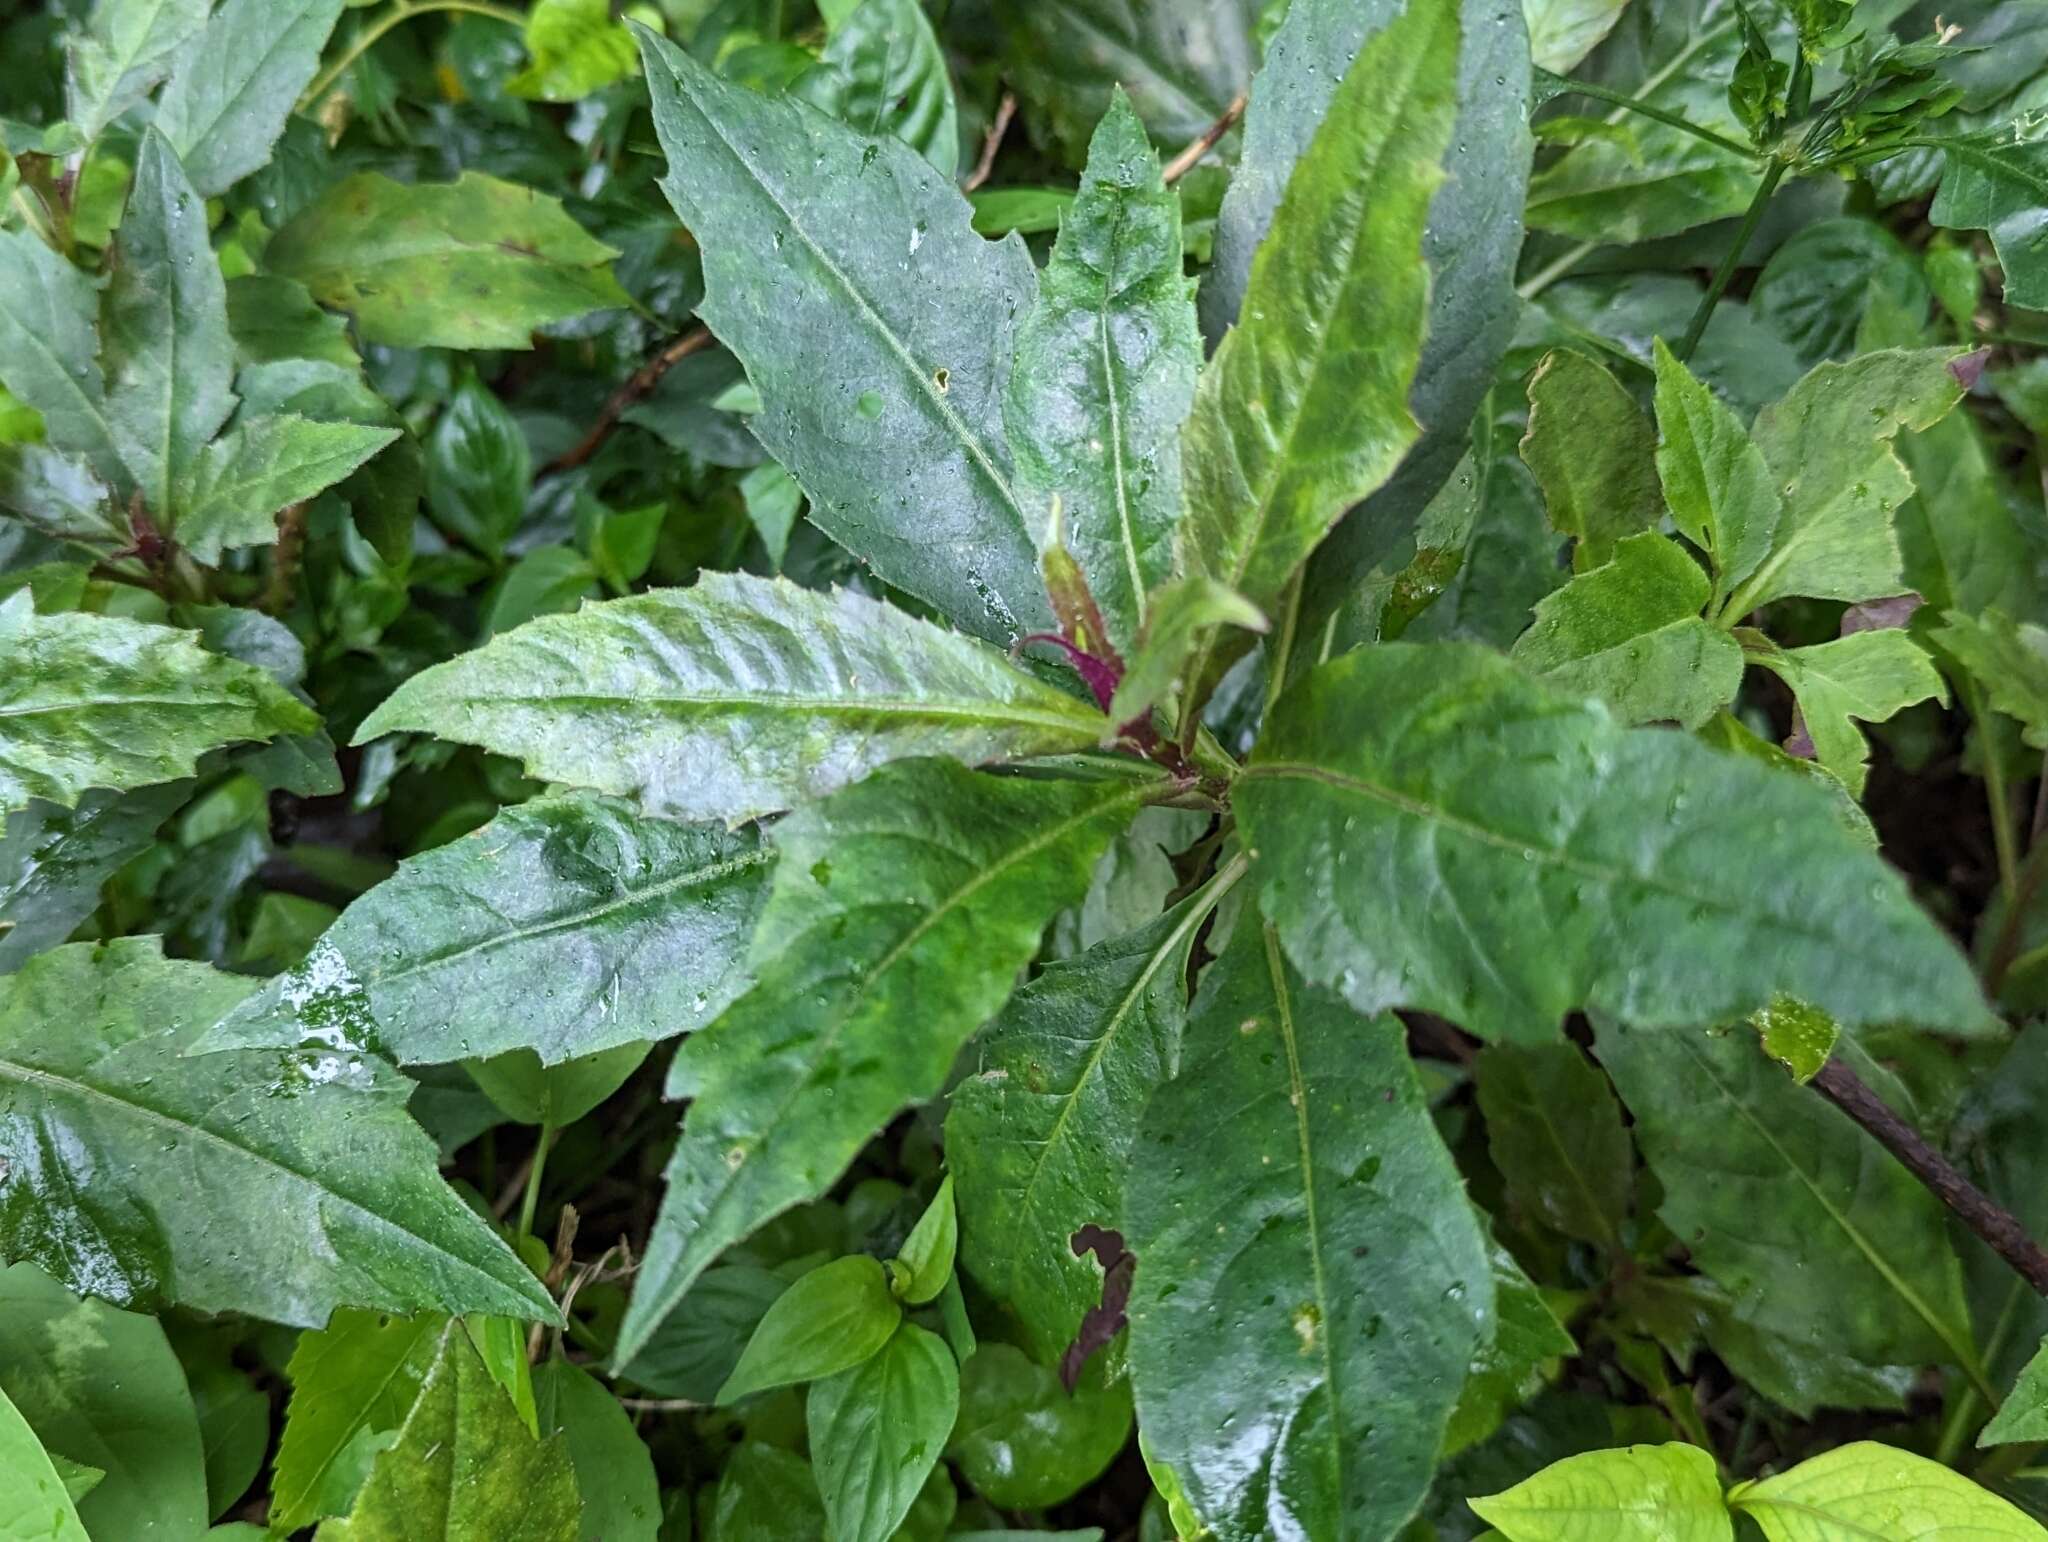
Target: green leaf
x,y
577,49
1799,1037
168,355
614,1472
1828,444
528,1091
1040,1135
1555,1133
1714,479
878,328
479,469
1867,1489
235,86
1634,1494
877,1431
1865,677
53,861
1180,614
1313,1283
98,701
48,352
353,1382
883,74
1023,1440
241,480
1970,543
465,1468
473,263
274,320
735,697
766,1494
901,911
1104,374
1631,634
278,1185
565,926
927,1253
1814,1231
102,1388
1818,287
234,1425
36,1507
1562,32
1525,1353
1592,450
2024,1413
829,1321
2009,659
1630,870
1997,182
1304,408
773,502
125,48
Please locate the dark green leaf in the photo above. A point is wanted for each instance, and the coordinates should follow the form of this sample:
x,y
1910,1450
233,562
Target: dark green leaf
x,y
125,48
1555,1132
2024,1413
767,1494
1525,1353
478,468
829,1321
54,860
1818,286
1997,181
614,1473
884,74
2009,659
234,87
48,354
1023,1440
1593,452
877,1431
240,481
528,1091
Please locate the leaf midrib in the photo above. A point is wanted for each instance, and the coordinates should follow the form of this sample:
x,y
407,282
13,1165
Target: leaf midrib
x,y
937,709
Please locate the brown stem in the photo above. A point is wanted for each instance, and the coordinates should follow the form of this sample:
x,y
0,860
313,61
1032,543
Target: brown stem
x,y
1191,157
1999,1227
638,385
284,559
991,142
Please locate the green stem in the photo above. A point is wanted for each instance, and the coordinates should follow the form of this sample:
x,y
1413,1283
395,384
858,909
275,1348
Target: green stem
x,y
34,219
1280,655
1750,220
531,1202
1661,115
1544,277
1999,795
401,11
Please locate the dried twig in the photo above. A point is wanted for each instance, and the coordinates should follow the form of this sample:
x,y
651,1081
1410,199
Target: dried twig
x,y
1189,158
991,142
639,385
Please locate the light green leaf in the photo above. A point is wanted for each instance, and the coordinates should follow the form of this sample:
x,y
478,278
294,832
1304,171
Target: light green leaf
x,y
240,481
1312,1283
102,1388
879,330
1023,1440
828,1321
1104,374
1997,181
53,861
1556,1136
1715,480
2024,1413
125,48
1724,731
48,351
1829,446
773,502
1812,1229
878,1430
927,1253
1304,408
465,1468
1039,1136
1562,32
1799,1037
281,1185
1180,613
1592,450
274,321
99,701
353,1382
902,908
1631,634
1872,1490
1632,870
234,86
526,1090
168,356
577,48
1865,677
1632,1494
565,926
883,74
473,263
2009,659
35,1506
614,1472
735,697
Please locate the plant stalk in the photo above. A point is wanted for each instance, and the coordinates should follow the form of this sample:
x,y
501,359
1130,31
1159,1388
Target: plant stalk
x,y
1644,109
403,11
1722,275
531,1202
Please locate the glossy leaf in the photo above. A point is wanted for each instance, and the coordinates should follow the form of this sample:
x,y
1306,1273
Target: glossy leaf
x,y
1180,614
1866,677
565,926
878,328
1555,1133
1591,448
278,1185
473,263
767,1494
53,861
124,49
614,1472
2024,1413
241,480
877,1431
736,697
1714,479
1634,1494
927,1254
1799,1037
1104,374
1524,1354
1865,1488
1023,1440
829,1321
1312,1283
35,1506
1303,411
478,468
464,1468
1631,870
233,89
1997,181
1630,633
98,701
884,73
901,910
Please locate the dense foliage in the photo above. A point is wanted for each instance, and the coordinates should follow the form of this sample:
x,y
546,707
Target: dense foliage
x,y
1119,768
